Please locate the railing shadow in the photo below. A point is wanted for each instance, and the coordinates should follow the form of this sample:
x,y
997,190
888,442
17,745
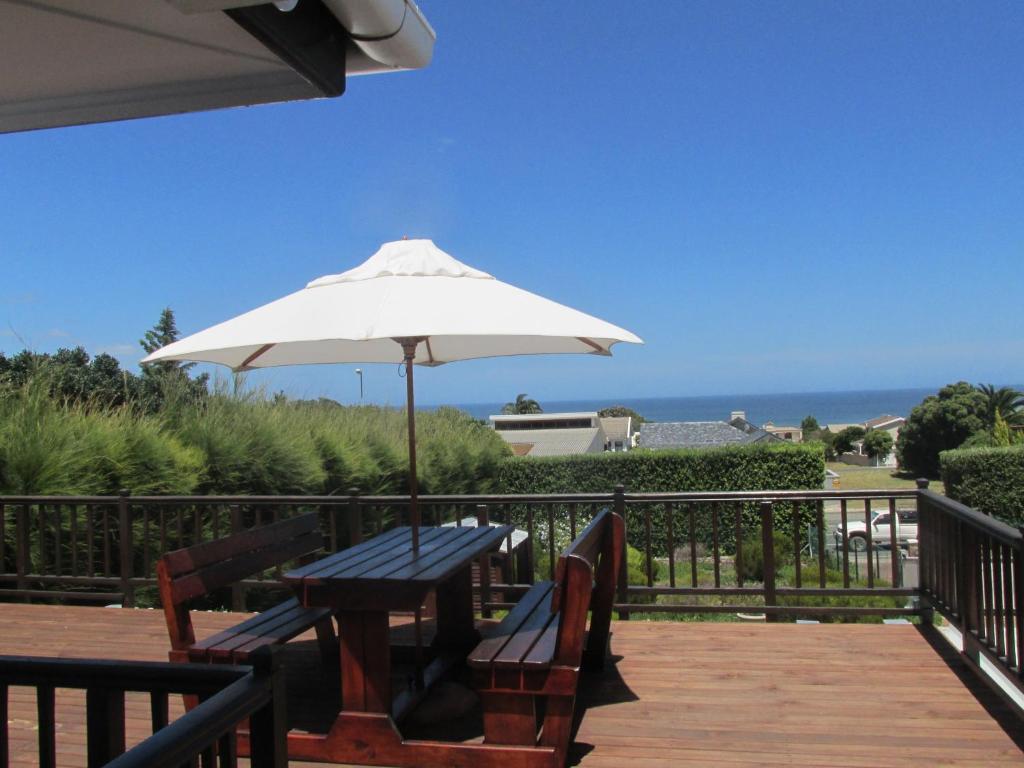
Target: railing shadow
x,y
1003,714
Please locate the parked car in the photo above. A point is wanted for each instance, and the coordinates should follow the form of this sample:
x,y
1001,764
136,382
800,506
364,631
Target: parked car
x,y
906,529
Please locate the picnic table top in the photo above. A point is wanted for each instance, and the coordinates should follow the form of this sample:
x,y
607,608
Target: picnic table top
x,y
388,559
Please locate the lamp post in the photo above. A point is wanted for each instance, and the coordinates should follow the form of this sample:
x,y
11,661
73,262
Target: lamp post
x,y
359,373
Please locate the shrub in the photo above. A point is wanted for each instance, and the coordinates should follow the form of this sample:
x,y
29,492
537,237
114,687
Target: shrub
x,y
734,468
988,479
234,443
750,563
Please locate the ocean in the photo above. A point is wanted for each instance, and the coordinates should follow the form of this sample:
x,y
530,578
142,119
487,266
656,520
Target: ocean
x,y
781,409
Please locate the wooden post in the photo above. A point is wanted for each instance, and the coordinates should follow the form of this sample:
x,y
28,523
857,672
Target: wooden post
x,y
485,566
269,734
619,507
237,591
355,518
104,716
124,524
21,550
967,604
768,548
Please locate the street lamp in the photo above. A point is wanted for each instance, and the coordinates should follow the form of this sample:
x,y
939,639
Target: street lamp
x,y
359,373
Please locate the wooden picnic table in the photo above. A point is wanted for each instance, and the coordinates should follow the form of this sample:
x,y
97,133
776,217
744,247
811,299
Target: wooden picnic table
x,y
362,585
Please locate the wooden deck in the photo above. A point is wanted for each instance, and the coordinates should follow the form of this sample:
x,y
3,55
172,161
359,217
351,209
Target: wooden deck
x,y
679,693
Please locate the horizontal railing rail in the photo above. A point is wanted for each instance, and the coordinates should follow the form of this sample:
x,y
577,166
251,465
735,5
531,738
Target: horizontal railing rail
x,y
972,571
205,736
691,551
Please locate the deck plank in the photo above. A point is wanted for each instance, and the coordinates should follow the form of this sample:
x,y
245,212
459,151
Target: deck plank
x,y
679,693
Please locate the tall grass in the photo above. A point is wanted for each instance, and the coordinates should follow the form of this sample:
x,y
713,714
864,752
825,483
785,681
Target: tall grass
x,y
235,442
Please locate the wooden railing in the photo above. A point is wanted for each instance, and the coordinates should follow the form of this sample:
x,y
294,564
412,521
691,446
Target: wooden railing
x,y
696,550
204,736
972,571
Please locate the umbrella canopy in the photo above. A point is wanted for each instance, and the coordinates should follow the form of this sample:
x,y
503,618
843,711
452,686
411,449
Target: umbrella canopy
x,y
407,289
410,302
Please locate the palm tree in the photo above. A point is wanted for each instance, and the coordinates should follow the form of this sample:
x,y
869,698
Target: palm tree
x,y
523,404
1008,402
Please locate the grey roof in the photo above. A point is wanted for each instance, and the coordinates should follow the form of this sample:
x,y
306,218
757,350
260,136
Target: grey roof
x,y
742,424
557,442
690,434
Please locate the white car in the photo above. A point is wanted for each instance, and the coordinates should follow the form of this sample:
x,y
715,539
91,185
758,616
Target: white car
x,y
906,529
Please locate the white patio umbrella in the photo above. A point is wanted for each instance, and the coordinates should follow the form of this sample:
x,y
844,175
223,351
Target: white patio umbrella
x,y
410,302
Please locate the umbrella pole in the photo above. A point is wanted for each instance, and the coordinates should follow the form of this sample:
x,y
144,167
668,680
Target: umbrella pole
x,y
409,348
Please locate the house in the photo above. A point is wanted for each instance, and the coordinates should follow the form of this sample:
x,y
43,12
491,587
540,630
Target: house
x,y
551,434
792,434
70,63
887,422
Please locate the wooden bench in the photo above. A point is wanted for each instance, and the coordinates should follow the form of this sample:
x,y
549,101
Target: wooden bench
x,y
537,651
186,574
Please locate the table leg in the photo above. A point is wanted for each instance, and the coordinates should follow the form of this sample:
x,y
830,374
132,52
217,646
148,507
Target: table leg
x,y
365,661
455,626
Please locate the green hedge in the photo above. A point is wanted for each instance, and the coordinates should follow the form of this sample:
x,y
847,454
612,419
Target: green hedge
x,y
988,479
733,468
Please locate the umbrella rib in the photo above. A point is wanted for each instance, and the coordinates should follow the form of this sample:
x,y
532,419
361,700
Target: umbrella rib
x,y
258,353
430,352
594,345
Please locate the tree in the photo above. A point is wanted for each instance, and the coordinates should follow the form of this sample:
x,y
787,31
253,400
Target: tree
x,y
1005,402
809,424
877,443
941,422
847,437
167,379
620,411
523,404
70,376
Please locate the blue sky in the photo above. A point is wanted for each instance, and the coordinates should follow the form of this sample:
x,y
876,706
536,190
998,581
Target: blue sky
x,y
776,197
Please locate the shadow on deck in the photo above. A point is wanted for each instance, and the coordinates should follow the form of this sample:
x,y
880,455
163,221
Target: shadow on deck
x,y
676,693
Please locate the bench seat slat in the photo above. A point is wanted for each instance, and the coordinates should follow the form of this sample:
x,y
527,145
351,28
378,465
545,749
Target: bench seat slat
x,y
543,652
524,639
251,624
482,656
281,633
277,625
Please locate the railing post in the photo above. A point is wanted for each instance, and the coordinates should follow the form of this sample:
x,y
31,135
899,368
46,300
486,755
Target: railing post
x,y
355,518
104,717
237,590
269,727
619,507
768,549
925,586
967,604
124,525
21,539
482,519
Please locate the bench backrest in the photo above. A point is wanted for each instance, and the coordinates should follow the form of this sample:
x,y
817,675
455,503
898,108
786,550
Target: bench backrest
x,y
585,580
188,573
